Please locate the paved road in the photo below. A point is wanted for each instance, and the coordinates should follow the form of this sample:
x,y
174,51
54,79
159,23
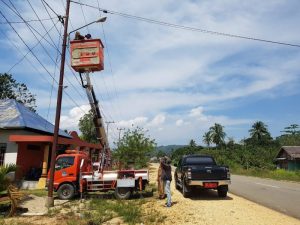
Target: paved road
x,y
279,195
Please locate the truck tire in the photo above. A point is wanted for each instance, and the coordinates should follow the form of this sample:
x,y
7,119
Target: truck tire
x,y
176,183
122,193
66,191
185,190
222,191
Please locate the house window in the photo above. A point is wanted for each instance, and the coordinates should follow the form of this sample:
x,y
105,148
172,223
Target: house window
x,y
2,153
34,147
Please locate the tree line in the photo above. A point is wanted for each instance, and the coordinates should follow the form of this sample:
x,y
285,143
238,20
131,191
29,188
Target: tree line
x,y
257,151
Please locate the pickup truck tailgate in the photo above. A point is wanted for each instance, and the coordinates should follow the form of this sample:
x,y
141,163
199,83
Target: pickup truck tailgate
x,y
208,173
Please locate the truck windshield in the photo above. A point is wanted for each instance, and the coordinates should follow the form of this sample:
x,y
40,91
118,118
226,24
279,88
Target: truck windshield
x,y
200,161
64,162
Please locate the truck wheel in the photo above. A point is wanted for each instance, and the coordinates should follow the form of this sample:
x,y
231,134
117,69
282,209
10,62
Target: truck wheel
x,y
185,190
122,193
176,183
66,191
222,191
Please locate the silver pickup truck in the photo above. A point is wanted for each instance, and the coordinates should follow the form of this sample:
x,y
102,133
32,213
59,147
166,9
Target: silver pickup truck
x,y
202,171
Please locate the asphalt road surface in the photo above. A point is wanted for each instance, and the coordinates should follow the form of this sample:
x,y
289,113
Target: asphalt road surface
x,y
279,195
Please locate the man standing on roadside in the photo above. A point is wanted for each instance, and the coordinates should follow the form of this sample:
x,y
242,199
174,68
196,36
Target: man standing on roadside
x,y
167,178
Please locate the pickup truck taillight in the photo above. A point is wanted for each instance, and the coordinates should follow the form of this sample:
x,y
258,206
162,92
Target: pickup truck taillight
x,y
228,173
189,173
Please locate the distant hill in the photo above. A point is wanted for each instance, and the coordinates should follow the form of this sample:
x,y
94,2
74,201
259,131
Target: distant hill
x,y
168,148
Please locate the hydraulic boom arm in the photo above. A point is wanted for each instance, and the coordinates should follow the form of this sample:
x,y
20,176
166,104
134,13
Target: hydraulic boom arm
x,y
97,119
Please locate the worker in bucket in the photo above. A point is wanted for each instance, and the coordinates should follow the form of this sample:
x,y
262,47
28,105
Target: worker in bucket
x,y
160,181
167,178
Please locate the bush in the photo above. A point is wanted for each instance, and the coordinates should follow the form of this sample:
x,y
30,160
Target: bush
x,y
4,180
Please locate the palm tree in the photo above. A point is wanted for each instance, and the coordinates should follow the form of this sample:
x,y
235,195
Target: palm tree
x,y
217,134
293,129
259,132
192,143
207,138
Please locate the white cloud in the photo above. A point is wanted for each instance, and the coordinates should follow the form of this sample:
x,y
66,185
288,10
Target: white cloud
x,y
138,121
179,122
196,112
70,121
157,120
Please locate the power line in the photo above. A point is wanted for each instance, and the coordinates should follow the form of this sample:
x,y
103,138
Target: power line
x,y
24,56
46,51
60,18
27,24
110,64
38,59
172,25
26,21
57,47
52,85
102,109
61,38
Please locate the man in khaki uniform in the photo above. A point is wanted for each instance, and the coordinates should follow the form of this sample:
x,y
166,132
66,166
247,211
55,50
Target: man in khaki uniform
x,y
160,182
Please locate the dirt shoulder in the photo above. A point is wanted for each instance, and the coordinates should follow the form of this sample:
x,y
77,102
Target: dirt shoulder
x,y
205,207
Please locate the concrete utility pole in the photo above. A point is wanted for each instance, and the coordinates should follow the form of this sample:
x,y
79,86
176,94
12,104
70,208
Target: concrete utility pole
x,y
107,123
50,200
120,129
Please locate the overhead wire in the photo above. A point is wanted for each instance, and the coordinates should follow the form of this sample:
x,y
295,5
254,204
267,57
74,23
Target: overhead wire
x,y
68,48
33,54
27,21
60,18
52,85
105,116
24,56
193,29
109,61
58,49
45,50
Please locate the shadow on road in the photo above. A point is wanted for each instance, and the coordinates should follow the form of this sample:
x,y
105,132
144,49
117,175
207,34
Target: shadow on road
x,y
205,194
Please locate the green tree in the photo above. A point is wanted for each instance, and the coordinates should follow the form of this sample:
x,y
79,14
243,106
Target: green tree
x,y
87,128
259,133
11,89
293,129
230,143
192,143
134,147
4,181
207,138
217,134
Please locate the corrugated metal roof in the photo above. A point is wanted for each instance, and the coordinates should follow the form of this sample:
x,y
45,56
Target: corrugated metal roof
x,y
293,151
14,115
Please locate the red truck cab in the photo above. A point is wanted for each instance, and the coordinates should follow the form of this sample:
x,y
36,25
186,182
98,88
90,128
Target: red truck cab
x,y
67,172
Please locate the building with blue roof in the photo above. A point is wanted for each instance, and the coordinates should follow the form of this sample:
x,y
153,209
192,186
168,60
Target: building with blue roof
x,y
26,140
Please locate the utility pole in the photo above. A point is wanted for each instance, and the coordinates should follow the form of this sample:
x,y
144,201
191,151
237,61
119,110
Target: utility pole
x,y
107,123
120,129
50,200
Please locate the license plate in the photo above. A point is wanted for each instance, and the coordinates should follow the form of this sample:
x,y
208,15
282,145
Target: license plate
x,y
210,185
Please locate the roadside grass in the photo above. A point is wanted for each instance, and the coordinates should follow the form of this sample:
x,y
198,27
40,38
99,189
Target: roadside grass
x,y
106,209
37,192
272,174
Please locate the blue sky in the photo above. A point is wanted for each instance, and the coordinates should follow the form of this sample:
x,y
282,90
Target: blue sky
x,y
174,83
